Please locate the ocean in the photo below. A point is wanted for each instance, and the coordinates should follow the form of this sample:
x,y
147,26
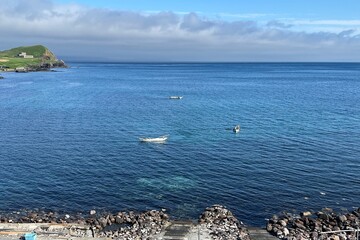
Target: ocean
x,y
69,140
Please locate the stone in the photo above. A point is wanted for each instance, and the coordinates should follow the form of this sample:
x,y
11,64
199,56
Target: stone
x,y
299,225
92,212
342,237
351,217
336,237
286,231
324,216
222,224
102,221
329,210
342,218
274,218
336,228
305,214
283,223
314,235
269,227
332,223
326,228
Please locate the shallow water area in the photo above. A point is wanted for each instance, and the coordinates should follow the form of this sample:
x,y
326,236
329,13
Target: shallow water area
x,y
70,139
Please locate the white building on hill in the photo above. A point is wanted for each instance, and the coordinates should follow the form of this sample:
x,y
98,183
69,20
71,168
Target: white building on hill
x,y
24,55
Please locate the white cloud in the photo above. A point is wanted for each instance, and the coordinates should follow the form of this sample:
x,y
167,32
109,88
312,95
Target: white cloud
x,y
311,26
328,22
277,24
243,15
74,30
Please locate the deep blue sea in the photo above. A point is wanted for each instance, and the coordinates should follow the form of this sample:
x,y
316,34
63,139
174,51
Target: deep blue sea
x,y
69,139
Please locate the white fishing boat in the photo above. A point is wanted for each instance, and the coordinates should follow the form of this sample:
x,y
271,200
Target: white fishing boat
x,y
236,129
176,97
160,139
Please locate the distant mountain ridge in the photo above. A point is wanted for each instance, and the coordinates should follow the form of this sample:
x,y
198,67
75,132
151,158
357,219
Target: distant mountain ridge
x,y
29,58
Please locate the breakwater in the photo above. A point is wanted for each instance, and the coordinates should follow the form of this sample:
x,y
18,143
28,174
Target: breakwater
x,y
217,220
324,224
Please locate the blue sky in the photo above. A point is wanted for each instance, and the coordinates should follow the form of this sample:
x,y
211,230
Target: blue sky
x,y
174,30
309,9
320,8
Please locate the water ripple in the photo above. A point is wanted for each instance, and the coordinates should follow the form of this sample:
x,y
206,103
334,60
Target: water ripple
x,y
69,140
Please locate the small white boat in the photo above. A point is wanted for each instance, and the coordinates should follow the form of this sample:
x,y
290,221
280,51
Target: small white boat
x,y
176,97
155,140
236,129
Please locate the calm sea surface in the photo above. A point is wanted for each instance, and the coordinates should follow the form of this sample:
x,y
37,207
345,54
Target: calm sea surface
x,y
69,139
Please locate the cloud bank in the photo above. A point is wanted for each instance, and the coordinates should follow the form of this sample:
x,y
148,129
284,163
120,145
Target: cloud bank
x,y
95,34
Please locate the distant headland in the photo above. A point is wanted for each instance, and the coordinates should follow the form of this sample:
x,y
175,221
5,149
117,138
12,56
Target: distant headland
x,y
29,59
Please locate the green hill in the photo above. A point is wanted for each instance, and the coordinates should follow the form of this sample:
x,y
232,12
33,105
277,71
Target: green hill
x,y
37,51
38,58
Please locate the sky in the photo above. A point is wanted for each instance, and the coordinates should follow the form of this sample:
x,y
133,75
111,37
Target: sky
x,y
186,31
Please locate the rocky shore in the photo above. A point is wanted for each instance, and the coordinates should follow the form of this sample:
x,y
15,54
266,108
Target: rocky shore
x,y
223,224
218,221
122,225
42,67
325,224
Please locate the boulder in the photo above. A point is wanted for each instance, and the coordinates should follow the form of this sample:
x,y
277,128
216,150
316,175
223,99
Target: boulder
x,y
324,216
286,232
305,214
222,224
342,218
283,223
102,221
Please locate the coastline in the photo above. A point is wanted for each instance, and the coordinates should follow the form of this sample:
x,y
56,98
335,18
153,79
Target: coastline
x,y
40,68
216,222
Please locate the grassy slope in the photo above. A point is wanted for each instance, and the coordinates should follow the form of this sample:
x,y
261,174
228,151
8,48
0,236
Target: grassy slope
x,y
37,51
40,53
13,63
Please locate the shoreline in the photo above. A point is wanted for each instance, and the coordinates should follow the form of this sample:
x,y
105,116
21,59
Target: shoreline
x,y
32,69
43,67
215,221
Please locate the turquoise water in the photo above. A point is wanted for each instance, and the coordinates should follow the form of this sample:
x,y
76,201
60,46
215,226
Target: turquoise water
x,y
69,139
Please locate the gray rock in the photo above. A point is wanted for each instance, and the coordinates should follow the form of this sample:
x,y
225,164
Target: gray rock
x,y
314,235
299,225
305,214
336,237
119,220
324,216
282,223
222,224
88,233
103,222
342,218
286,232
